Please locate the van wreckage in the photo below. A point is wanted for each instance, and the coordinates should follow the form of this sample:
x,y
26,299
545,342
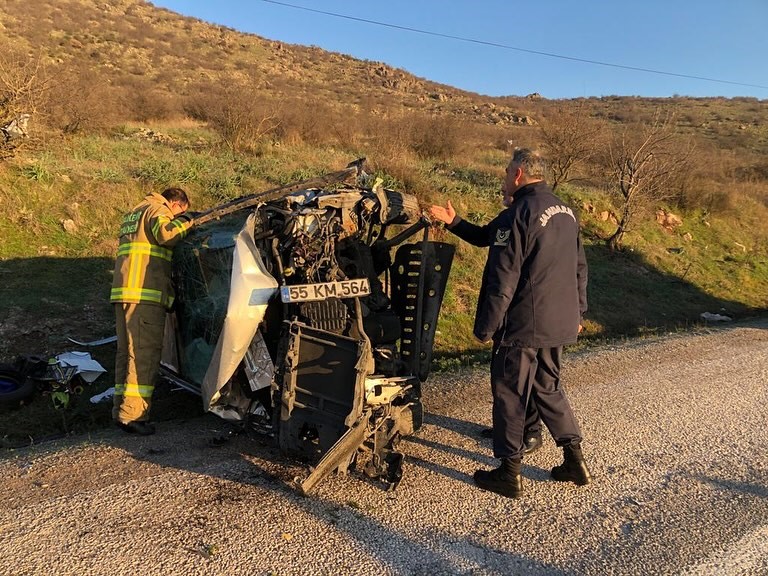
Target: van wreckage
x,y
294,316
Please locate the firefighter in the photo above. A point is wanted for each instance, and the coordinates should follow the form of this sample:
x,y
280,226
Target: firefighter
x,y
142,294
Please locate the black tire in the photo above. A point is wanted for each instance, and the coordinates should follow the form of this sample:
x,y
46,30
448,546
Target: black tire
x,y
15,388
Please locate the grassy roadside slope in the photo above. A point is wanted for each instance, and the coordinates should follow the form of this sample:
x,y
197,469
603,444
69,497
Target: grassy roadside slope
x,y
60,205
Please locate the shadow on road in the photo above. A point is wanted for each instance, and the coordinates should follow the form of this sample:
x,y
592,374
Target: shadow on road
x,y
249,472
735,486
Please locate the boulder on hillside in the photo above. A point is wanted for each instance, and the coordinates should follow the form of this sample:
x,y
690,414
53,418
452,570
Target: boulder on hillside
x,y
668,220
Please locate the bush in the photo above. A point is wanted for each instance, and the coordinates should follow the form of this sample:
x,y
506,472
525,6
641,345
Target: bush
x,y
437,138
314,123
241,115
81,101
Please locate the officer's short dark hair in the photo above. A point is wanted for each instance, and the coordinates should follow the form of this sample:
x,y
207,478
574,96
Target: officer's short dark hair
x,y
531,162
176,195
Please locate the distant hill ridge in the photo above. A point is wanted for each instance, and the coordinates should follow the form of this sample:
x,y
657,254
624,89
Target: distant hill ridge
x,y
152,53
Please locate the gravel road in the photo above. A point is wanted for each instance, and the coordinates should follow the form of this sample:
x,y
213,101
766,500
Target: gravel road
x,y
676,436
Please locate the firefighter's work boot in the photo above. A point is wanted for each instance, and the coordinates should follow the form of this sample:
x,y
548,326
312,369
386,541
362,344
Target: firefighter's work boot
x,y
573,469
504,480
137,427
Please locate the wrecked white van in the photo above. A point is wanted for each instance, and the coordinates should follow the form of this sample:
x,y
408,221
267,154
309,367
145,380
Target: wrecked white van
x,y
310,311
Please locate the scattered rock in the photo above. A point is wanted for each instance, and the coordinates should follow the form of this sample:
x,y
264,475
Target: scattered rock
x,y
152,136
73,211
668,220
69,226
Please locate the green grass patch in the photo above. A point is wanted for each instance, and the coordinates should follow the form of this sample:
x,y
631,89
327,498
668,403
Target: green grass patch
x,y
55,284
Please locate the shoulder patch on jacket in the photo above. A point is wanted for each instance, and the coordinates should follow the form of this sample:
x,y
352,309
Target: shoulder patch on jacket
x,y
502,237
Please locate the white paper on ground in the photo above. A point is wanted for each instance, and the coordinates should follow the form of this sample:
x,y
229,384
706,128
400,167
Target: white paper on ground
x,y
106,395
87,367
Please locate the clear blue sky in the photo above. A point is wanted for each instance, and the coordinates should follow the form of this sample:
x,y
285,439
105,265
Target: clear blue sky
x,y
724,40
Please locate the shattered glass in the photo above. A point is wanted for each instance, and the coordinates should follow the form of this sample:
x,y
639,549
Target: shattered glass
x,y
202,271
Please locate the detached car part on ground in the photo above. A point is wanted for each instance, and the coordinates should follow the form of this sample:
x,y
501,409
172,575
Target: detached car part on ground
x,y
293,314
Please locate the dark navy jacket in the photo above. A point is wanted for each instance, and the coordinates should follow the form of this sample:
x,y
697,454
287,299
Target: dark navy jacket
x,y
534,288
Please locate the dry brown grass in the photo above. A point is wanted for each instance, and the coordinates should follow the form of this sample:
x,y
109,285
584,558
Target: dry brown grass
x,y
146,64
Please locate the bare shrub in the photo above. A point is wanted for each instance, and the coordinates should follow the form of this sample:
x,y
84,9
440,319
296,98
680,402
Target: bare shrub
x,y
144,101
314,123
24,83
570,138
81,101
241,115
702,185
514,137
387,139
434,137
403,135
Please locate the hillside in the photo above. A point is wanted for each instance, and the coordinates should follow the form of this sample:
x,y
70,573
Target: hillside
x,y
161,58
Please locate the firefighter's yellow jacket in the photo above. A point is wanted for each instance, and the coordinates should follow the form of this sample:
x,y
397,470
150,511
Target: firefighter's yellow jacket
x,y
143,265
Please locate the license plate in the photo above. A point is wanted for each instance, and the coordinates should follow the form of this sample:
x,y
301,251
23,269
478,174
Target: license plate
x,y
313,292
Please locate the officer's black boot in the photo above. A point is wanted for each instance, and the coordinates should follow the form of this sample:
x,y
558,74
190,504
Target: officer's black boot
x,y
573,469
532,443
504,480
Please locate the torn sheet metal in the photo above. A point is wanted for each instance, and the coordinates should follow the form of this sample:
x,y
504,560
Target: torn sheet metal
x,y
101,342
251,288
258,365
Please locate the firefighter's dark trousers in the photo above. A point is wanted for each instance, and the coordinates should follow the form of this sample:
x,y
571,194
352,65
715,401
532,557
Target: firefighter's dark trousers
x,y
140,329
517,376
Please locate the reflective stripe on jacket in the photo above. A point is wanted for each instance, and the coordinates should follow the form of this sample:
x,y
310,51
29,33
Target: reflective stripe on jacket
x,y
143,265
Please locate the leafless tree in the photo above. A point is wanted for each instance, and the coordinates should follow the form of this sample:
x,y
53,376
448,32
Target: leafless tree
x,y
644,163
24,83
570,138
21,84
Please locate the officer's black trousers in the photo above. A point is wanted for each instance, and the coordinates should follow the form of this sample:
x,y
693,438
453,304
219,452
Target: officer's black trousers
x,y
517,375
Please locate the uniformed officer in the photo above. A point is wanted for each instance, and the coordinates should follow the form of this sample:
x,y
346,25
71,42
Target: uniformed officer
x,y
483,237
142,293
531,301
